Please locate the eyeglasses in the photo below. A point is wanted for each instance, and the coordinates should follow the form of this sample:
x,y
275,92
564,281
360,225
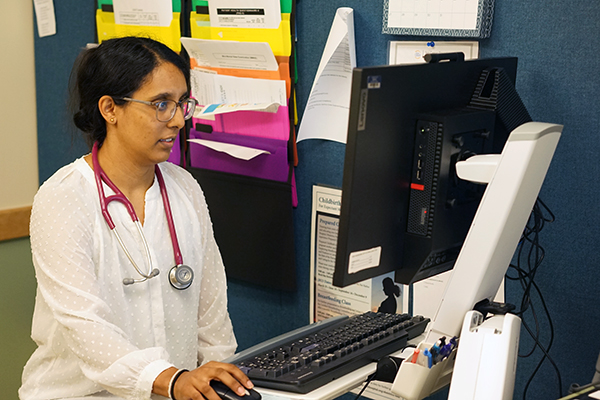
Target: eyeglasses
x,y
165,109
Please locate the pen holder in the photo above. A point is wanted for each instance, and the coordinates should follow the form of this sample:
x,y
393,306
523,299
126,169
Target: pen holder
x,y
415,381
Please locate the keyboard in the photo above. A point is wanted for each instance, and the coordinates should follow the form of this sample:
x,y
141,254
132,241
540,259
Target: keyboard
x,y
312,356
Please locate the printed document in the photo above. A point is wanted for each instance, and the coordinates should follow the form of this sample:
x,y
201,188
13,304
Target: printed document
x,y
245,13
213,90
328,106
231,54
143,12
328,300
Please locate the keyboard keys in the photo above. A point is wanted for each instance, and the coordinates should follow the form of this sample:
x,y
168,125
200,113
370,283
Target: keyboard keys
x,y
306,362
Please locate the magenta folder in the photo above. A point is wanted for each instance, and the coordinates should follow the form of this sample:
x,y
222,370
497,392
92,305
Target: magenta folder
x,y
252,123
273,166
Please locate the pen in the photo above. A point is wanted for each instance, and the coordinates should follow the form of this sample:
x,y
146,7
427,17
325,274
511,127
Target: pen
x,y
415,356
427,354
444,352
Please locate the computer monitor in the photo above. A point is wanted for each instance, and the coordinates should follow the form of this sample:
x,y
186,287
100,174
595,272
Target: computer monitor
x,y
403,208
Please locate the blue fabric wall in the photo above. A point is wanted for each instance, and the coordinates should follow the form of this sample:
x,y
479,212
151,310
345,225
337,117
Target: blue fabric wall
x,y
557,46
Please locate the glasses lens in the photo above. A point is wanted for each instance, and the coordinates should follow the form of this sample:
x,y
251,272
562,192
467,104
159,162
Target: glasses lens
x,y
165,110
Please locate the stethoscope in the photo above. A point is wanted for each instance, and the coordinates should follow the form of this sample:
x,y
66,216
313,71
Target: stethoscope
x,y
180,276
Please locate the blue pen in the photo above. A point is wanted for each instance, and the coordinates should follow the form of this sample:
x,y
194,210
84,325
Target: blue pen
x,y
444,352
429,358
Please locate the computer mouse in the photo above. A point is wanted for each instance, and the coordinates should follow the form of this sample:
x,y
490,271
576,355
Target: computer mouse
x,y
227,394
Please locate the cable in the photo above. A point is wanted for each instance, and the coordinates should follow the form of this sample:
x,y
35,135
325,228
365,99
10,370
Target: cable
x,y
529,257
369,380
386,371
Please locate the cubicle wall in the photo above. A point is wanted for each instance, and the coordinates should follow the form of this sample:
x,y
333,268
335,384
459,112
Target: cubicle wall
x,y
556,43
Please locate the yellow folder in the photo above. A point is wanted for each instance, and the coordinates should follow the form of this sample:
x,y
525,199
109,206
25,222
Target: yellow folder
x,y
169,35
279,39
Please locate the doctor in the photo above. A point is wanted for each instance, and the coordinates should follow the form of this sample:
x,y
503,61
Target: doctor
x,y
118,314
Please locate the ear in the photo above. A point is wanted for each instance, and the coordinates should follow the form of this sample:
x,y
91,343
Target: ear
x,y
107,107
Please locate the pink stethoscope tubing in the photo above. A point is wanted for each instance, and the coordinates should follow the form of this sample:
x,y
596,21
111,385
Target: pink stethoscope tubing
x,y
100,176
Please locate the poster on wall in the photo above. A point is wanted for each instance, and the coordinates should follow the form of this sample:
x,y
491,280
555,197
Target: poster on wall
x,y
326,300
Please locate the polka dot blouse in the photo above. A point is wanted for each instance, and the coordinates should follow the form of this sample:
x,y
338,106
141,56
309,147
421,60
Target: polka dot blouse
x,y
96,334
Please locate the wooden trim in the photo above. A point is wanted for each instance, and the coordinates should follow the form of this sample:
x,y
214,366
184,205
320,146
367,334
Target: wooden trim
x,y
14,223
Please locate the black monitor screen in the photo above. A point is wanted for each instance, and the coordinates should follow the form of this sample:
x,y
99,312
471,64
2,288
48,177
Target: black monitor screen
x,y
403,209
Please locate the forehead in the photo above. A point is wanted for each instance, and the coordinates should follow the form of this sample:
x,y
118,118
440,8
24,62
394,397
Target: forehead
x,y
165,79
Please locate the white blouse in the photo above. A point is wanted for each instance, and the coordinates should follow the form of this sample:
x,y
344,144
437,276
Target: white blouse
x,y
93,332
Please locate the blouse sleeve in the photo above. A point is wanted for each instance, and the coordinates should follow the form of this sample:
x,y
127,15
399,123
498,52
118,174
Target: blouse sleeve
x,y
216,340
62,242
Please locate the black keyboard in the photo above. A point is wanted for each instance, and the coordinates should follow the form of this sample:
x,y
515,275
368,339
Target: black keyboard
x,y
314,355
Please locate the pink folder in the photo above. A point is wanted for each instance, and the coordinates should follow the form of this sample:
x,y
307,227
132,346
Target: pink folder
x,y
252,123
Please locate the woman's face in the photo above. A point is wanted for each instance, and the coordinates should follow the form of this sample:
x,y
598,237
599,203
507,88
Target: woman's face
x,y
145,139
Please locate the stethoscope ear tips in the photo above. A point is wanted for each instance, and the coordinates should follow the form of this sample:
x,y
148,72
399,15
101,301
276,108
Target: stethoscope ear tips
x,y
181,277
131,281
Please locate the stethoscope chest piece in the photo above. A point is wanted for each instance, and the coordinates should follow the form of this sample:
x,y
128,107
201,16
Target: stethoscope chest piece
x,y
181,276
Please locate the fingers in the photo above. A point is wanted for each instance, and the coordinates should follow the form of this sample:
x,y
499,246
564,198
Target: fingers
x,y
195,385
231,376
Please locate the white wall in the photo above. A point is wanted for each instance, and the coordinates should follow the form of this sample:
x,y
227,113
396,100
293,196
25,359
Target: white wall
x,y
18,125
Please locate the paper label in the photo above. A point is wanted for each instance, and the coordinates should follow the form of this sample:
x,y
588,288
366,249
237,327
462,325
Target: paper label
x,y
360,260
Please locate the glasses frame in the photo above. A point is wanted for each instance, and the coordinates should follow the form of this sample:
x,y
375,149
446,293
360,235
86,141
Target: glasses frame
x,y
156,104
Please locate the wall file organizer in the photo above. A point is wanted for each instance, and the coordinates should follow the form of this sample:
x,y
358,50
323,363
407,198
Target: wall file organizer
x,y
252,220
250,202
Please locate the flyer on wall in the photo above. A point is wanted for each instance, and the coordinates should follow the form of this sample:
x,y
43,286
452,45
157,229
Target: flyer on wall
x,y
327,300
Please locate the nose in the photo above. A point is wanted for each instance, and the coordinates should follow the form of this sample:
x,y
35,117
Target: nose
x,y
177,121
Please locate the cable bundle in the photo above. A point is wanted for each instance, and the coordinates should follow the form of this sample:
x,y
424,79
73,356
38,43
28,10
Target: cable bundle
x,y
528,258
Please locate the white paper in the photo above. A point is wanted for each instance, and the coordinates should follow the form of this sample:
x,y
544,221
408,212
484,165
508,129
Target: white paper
x,y
143,12
223,89
240,152
403,52
428,293
328,106
245,13
361,260
433,14
231,54
46,20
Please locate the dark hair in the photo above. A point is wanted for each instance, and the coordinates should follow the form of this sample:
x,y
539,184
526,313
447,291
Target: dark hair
x,y
117,68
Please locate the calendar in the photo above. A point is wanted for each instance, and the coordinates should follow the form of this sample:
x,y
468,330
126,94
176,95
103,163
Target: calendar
x,y
457,18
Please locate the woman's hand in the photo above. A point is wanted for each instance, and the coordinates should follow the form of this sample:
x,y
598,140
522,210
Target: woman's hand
x,y
195,384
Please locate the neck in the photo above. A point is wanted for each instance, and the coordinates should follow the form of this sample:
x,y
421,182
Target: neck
x,y
130,176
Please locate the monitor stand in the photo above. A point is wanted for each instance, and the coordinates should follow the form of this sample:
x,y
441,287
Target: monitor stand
x,y
515,178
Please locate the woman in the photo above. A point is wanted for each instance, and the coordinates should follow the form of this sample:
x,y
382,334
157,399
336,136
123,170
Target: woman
x,y
110,316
